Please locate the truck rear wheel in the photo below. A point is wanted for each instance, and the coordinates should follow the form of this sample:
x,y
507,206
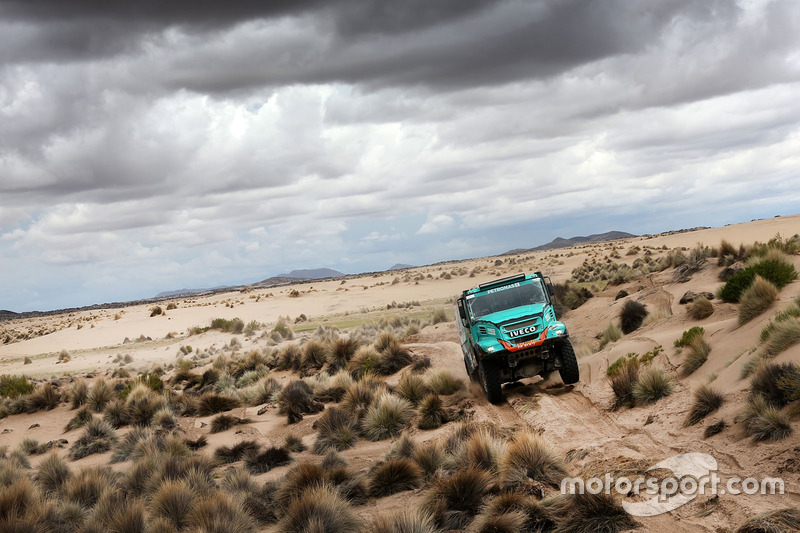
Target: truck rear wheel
x,y
489,376
569,364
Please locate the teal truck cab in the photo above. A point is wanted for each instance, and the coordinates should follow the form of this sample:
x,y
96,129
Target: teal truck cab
x,y
509,331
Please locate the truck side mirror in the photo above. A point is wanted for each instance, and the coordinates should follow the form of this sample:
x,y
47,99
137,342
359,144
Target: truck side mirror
x,y
462,313
550,288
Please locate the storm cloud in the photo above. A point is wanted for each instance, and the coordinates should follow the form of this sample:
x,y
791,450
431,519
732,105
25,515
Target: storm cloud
x,y
146,146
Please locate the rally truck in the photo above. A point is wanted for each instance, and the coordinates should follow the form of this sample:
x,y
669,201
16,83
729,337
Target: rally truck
x,y
509,331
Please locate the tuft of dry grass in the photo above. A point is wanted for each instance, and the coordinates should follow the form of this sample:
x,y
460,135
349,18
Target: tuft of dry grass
x,y
482,450
763,421
297,399
700,308
52,474
44,397
652,385
528,460
454,501
211,404
357,399
412,387
231,454
623,381
386,418
783,334
99,395
631,316
778,384
173,501
779,521
342,351
224,422
394,475
218,513
444,383
756,299
591,513
505,510
432,413
260,462
78,394
431,458
98,437
697,356
706,401
319,509
338,430
403,522
714,429
81,418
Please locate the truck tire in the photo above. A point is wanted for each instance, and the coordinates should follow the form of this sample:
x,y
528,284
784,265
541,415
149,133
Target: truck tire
x,y
490,381
569,364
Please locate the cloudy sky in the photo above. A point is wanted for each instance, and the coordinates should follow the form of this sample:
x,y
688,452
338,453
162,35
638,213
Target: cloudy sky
x,y
151,145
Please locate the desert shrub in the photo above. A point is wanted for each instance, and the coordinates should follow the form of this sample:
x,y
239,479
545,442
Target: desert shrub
x,y
706,401
386,418
338,430
482,450
78,394
590,513
196,444
86,487
775,268
342,351
688,336
652,385
173,501
612,333
294,444
99,395
454,501
697,355
623,382
393,357
512,511
16,500
124,449
231,454
394,475
235,325
363,362
261,392
142,404
403,522
631,316
211,403
297,399
442,382
116,414
432,413
315,355
431,458
148,379
756,299
224,422
411,387
779,521
164,418
528,459
44,397
763,421
52,474
439,316
714,429
258,462
782,335
403,447
319,508
778,384
700,308
357,399
98,437
156,311
81,418
14,386
219,513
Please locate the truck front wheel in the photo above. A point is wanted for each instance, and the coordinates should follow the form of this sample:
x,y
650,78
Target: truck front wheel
x,y
489,376
569,364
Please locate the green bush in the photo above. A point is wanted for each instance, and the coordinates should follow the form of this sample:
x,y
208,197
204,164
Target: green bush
x,y
234,325
150,380
688,335
773,267
13,386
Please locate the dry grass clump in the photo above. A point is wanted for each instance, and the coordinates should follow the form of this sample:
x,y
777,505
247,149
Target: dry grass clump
x,y
706,401
431,458
294,444
386,418
125,448
357,399
52,474
454,501
315,355
319,509
98,437
392,356
289,357
211,404
99,395
482,450
260,462
86,487
332,472
219,513
432,413
403,522
78,394
231,454
652,385
81,418
44,397
782,335
612,333
173,501
763,421
261,392
594,513
623,382
631,316
341,352
780,521
512,512
296,400
444,383
778,384
714,429
338,430
196,444
700,308
697,356
412,387
395,475
529,460
756,299
224,422
16,500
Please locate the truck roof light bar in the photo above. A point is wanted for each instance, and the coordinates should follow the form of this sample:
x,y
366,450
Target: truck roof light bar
x,y
502,281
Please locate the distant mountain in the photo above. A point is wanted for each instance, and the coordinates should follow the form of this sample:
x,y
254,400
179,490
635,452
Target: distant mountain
x,y
560,242
399,266
314,273
7,315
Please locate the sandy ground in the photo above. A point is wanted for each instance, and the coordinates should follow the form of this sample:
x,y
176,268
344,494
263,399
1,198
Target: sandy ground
x,y
573,419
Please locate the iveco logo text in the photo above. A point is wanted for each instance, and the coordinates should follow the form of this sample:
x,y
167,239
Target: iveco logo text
x,y
521,332
498,289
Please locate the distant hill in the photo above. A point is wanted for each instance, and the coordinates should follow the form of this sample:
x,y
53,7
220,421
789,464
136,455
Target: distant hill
x,y
560,242
314,273
399,266
180,292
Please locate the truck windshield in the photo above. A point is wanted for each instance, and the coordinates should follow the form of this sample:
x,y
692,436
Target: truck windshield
x,y
507,297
